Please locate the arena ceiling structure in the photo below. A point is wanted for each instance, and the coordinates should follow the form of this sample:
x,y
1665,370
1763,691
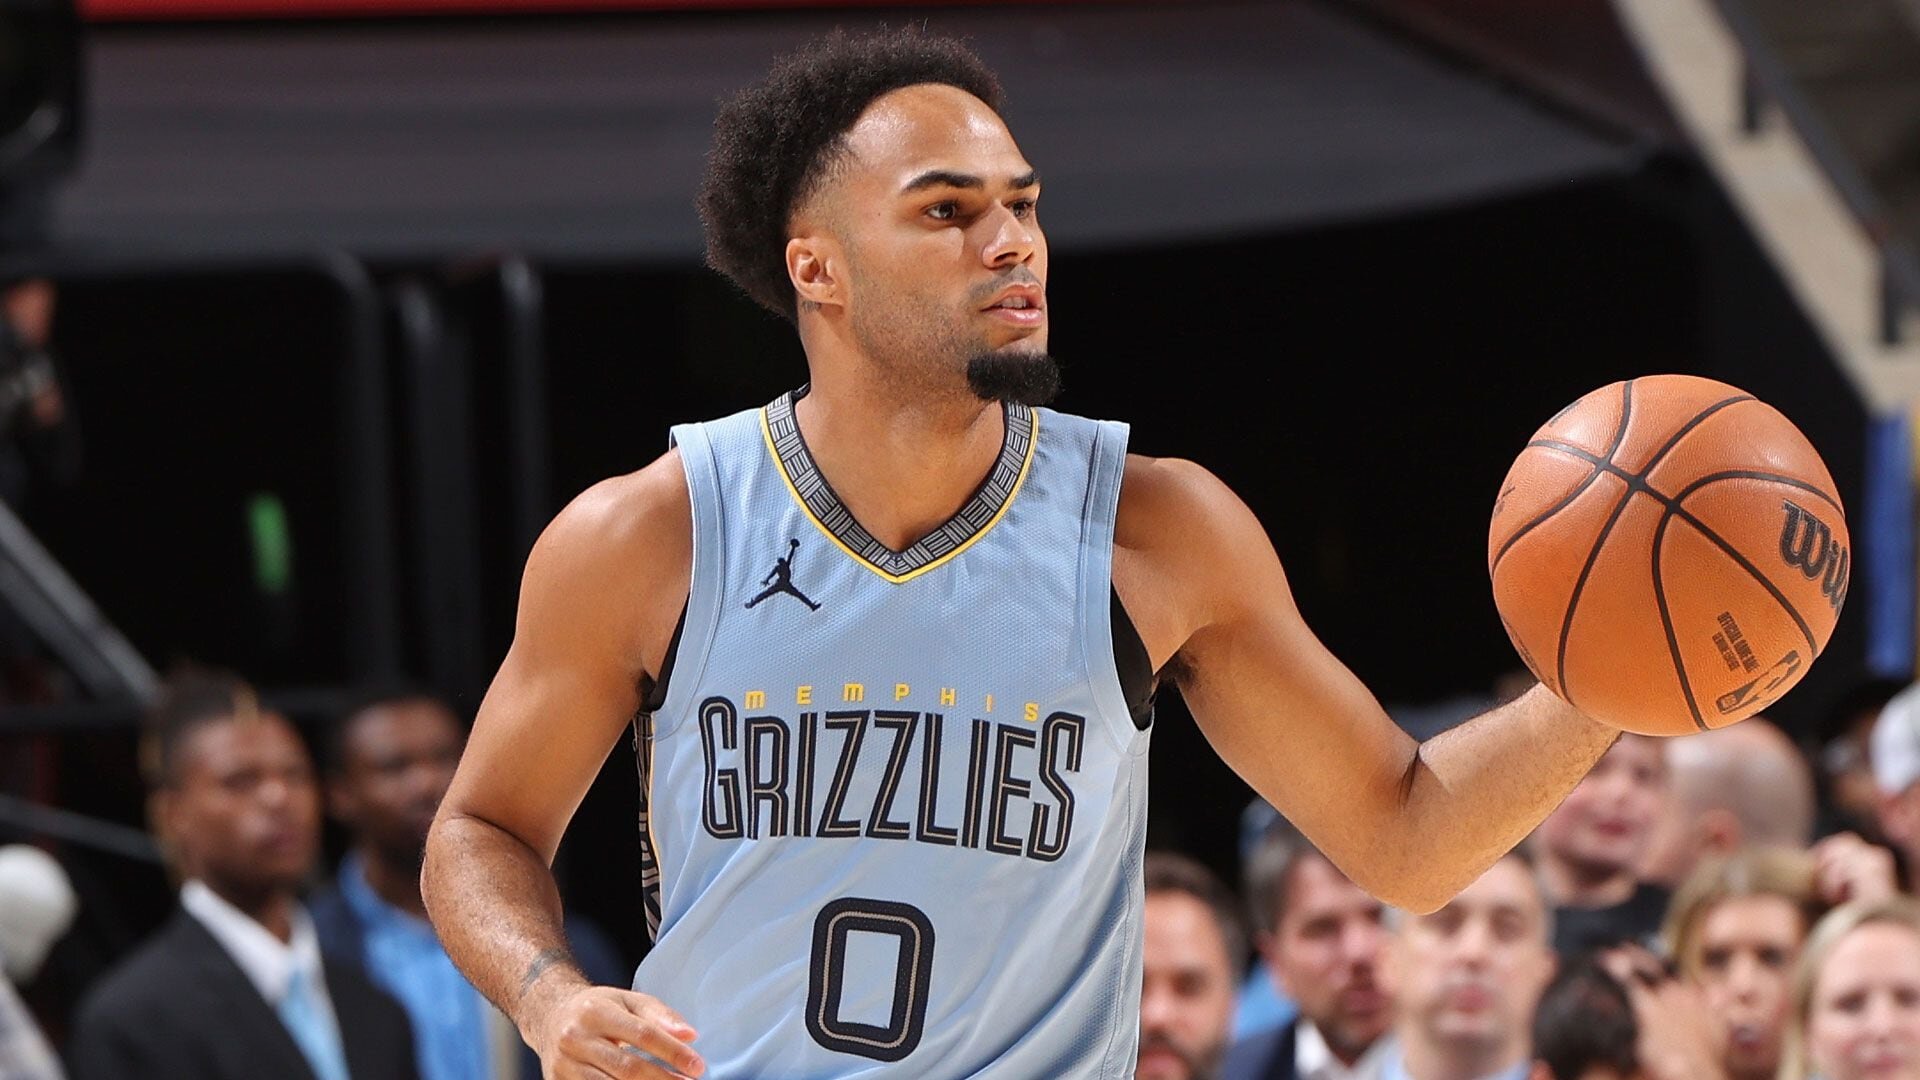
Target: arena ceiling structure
x,y
215,132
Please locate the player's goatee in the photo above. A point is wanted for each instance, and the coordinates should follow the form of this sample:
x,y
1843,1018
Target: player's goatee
x,y
1020,378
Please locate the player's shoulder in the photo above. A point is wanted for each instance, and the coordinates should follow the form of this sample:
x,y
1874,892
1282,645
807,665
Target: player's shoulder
x,y
637,523
1163,499
630,510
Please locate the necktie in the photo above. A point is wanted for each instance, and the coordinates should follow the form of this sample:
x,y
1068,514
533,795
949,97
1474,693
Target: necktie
x,y
317,1038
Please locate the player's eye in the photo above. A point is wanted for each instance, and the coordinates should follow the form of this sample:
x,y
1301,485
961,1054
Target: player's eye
x,y
945,211
1023,208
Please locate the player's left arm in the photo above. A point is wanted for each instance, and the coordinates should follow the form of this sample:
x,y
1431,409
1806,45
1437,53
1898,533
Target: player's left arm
x,y
1412,823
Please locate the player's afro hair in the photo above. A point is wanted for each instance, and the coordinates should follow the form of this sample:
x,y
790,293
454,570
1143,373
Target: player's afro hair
x,y
774,141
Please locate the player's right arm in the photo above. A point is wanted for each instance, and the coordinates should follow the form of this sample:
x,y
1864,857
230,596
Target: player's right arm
x,y
603,589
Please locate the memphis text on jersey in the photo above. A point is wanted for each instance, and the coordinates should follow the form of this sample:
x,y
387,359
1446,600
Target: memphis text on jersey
x,y
945,779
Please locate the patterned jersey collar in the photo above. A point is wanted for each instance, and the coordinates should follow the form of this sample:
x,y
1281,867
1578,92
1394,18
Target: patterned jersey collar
x,y
980,513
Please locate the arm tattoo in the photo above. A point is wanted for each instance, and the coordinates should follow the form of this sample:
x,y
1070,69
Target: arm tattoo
x,y
546,959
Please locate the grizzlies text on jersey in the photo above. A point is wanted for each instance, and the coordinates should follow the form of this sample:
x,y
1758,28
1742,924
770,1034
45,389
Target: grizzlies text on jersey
x,y
895,801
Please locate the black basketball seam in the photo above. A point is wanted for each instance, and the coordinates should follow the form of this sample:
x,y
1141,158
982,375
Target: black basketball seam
x,y
1666,624
1659,532
1754,571
1757,474
1619,436
1698,419
1675,508
1580,583
1593,556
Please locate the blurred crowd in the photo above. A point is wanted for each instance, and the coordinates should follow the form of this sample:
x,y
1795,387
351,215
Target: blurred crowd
x,y
254,974
1714,907
1724,906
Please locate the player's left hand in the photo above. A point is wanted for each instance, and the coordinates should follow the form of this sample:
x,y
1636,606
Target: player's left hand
x,y
606,1033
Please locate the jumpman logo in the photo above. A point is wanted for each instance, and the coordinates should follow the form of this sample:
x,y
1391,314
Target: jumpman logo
x,y
781,580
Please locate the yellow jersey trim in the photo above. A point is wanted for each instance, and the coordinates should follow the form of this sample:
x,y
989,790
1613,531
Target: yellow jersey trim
x,y
1026,466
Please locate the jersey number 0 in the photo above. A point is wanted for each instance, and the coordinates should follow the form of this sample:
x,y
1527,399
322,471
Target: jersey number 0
x,y
829,962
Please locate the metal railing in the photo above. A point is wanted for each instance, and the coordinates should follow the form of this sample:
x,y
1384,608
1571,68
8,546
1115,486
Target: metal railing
x,y
1766,82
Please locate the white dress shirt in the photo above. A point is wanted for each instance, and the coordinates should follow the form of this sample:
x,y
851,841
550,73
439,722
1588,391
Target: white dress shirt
x,y
268,962
1313,1059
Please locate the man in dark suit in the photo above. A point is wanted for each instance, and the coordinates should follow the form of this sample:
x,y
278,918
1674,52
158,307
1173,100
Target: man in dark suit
x,y
1322,941
233,987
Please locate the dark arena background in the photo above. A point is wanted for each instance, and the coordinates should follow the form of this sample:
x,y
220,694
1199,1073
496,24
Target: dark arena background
x,y
354,295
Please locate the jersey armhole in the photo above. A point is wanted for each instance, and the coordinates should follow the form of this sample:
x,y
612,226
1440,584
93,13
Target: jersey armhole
x,y
1138,681
657,696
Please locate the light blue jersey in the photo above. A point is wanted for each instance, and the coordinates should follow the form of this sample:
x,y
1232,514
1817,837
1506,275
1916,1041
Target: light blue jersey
x,y
895,801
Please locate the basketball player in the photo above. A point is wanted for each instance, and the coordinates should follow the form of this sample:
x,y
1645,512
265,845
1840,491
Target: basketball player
x,y
893,824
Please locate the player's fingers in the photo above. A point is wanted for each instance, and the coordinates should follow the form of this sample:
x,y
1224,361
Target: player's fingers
x,y
652,1010
642,1022
598,1034
611,1061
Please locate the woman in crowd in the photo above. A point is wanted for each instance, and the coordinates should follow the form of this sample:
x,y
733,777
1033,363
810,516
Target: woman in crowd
x,y
1735,927
1856,996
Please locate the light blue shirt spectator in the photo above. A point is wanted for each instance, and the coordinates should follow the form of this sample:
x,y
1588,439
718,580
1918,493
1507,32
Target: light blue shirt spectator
x,y
1261,1006
401,953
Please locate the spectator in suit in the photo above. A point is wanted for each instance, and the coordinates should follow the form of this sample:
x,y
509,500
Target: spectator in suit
x,y
233,986
1321,941
389,761
1195,947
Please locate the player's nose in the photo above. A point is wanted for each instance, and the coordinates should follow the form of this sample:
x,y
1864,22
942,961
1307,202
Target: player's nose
x,y
1014,240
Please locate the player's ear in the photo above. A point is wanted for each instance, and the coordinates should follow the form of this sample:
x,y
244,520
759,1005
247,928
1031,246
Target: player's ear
x,y
814,265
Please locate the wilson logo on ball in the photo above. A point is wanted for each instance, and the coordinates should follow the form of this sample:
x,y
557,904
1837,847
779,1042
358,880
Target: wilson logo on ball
x,y
1807,544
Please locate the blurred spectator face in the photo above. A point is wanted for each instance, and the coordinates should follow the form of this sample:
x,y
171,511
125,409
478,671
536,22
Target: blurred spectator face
x,y
243,811
1605,825
1326,953
1187,994
1743,961
397,759
1470,974
1863,1020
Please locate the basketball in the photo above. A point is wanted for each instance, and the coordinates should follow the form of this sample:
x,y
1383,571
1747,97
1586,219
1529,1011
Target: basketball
x,y
1669,554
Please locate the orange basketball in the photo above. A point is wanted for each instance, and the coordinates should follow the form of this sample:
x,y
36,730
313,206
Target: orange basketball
x,y
1669,554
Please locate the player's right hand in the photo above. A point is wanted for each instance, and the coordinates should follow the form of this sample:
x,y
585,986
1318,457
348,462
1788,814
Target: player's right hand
x,y
605,1033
